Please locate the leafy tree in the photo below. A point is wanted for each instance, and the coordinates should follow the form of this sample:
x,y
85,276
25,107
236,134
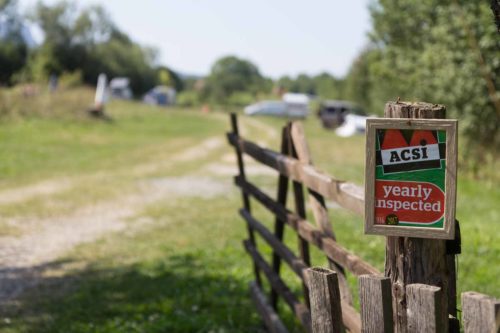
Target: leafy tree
x,y
360,83
117,57
230,75
324,85
167,77
305,84
285,82
443,52
327,86
88,41
13,49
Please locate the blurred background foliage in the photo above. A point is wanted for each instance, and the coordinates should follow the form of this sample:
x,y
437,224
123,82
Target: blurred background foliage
x,y
440,51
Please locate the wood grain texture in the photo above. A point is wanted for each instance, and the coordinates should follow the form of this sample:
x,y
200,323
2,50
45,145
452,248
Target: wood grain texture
x,y
300,310
296,264
375,300
414,110
313,235
266,311
300,210
416,260
326,309
315,200
480,313
245,198
279,224
347,195
350,316
318,205
424,309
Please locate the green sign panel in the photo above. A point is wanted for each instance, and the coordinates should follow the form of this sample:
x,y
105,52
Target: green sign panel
x,y
411,177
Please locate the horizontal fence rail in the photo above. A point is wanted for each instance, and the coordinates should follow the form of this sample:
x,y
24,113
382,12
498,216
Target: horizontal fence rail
x,y
327,305
347,195
313,235
319,185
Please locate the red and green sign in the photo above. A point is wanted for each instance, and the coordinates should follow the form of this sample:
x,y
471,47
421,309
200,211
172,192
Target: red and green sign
x,y
407,187
410,177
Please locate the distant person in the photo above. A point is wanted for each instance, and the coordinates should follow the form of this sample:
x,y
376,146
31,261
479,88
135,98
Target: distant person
x,y
53,82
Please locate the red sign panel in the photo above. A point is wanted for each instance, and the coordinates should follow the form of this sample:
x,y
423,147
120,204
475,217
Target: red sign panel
x,y
408,202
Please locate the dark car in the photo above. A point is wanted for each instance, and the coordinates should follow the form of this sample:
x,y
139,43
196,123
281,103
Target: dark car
x,y
332,113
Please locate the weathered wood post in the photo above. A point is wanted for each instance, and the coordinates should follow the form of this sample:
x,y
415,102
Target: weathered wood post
x,y
375,300
324,294
424,309
318,205
279,224
245,197
418,260
481,313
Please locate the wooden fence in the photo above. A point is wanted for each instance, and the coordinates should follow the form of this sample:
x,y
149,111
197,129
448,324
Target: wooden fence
x,y
327,305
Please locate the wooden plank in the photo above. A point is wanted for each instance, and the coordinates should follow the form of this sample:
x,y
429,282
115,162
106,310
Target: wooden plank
x,y
316,201
349,314
480,313
246,199
332,249
326,309
416,260
279,224
376,304
267,313
351,318
296,264
347,195
300,310
318,206
424,312
300,209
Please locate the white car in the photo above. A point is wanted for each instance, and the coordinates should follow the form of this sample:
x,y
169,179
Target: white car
x,y
278,108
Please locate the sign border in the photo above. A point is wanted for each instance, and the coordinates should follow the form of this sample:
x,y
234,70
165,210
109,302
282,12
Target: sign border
x,y
448,125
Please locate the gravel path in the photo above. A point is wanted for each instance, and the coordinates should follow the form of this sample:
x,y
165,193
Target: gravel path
x,y
24,258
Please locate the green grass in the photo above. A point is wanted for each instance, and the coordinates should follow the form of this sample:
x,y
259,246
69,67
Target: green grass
x,y
173,278
38,148
186,271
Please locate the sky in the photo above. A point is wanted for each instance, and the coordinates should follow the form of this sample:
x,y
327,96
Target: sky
x,y
282,37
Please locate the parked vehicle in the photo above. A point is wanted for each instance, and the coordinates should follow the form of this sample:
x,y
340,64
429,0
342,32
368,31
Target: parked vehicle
x,y
160,95
292,105
333,112
120,88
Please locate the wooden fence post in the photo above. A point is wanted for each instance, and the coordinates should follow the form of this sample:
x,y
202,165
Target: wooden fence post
x,y
480,313
416,260
318,205
324,295
425,309
279,224
245,197
376,304
271,318
300,210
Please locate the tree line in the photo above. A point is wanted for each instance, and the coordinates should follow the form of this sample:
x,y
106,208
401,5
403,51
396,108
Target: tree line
x,y
441,51
83,42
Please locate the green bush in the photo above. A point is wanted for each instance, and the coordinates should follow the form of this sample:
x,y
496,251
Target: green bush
x,y
71,80
240,98
188,99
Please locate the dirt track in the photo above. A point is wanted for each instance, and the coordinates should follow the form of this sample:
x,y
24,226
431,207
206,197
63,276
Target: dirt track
x,y
22,257
25,257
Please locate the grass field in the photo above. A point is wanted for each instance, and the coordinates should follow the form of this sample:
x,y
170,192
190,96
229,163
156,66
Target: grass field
x,y
176,264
